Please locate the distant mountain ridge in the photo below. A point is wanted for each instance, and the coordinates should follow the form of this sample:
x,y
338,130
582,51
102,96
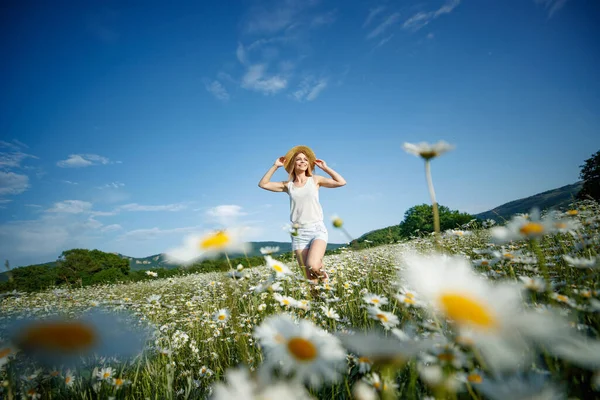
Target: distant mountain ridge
x,y
550,199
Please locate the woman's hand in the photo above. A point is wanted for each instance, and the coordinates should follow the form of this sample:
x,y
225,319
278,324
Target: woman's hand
x,y
321,163
279,162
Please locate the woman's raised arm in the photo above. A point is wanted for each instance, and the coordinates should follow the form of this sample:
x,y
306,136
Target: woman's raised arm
x,y
265,182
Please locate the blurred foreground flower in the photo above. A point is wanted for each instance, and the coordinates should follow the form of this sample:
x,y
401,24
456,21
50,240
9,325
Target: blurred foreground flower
x,y
196,248
492,316
309,353
64,341
524,227
426,150
240,386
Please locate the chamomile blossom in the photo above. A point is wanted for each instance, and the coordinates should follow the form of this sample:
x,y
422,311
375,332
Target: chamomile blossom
x,y
375,299
197,247
522,227
267,250
302,349
280,269
388,320
221,316
491,315
426,150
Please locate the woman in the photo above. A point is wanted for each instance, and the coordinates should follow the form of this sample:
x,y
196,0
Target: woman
x,y
309,240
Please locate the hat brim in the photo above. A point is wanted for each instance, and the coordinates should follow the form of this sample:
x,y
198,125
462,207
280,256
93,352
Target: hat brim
x,y
307,151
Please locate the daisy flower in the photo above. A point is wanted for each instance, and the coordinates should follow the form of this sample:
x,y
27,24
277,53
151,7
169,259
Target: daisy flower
x,y
426,150
330,313
311,354
387,319
267,250
278,267
58,340
118,383
520,227
375,300
491,315
105,374
580,262
221,316
240,386
198,247
285,301
536,284
69,379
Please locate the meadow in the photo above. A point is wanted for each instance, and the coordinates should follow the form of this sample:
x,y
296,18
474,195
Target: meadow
x,y
490,311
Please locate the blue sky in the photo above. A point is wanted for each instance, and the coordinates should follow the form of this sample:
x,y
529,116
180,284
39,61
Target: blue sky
x,y
127,127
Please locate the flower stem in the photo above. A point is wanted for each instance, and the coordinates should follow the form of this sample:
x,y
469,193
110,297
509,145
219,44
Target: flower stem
x,y
436,215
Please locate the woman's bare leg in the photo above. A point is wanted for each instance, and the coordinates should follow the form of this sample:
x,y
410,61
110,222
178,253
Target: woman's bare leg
x,y
314,260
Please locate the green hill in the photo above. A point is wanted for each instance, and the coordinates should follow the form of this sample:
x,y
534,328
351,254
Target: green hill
x,y
160,261
551,199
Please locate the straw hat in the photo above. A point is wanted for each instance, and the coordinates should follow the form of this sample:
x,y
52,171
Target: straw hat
x,y
289,162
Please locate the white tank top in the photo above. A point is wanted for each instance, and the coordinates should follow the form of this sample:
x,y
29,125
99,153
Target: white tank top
x,y
304,203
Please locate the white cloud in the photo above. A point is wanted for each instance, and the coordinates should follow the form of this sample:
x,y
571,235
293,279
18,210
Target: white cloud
x,y
384,40
372,13
255,79
84,160
309,89
41,240
112,185
225,214
71,207
382,27
103,213
139,207
153,233
111,228
217,90
70,183
327,18
12,183
241,54
13,160
420,19
552,6
229,211
272,18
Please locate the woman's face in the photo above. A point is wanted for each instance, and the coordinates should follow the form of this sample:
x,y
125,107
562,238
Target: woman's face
x,y
301,162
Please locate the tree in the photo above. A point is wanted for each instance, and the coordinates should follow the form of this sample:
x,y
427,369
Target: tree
x,y
420,219
590,174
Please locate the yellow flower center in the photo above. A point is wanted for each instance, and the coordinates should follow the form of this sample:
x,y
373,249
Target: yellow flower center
x,y
286,302
302,349
364,360
277,268
428,154
382,317
572,212
222,317
465,310
377,385
532,228
118,382
375,301
409,300
474,378
508,255
562,298
409,295
485,263
61,336
68,379
106,375
447,357
216,241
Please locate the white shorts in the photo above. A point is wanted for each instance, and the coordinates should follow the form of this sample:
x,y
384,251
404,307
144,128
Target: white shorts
x,y
307,233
